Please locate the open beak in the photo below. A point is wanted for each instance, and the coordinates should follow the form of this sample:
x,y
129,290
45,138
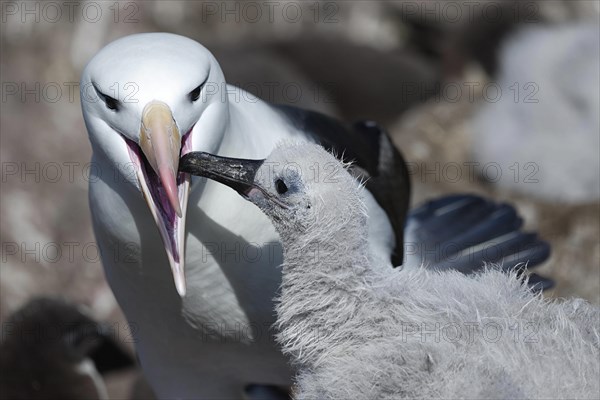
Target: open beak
x,y
165,189
237,173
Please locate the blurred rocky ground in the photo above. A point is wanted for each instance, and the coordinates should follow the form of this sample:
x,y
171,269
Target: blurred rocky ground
x,y
395,62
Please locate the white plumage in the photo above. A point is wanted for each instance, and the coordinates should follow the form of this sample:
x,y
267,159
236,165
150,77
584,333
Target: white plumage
x,y
217,338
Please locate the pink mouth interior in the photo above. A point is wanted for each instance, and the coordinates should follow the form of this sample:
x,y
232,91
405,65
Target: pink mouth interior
x,y
157,190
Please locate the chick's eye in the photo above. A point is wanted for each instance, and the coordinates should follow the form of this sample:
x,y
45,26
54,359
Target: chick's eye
x,y
195,94
280,186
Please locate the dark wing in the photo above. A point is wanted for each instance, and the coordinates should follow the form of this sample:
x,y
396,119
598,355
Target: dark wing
x,y
459,232
377,159
463,232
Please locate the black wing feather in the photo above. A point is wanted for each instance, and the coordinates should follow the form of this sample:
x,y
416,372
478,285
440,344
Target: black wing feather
x,y
459,232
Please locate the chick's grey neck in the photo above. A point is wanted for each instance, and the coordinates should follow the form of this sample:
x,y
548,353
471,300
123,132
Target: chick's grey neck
x,y
326,267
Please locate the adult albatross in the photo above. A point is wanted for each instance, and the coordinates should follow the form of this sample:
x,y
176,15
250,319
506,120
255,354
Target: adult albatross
x,y
204,332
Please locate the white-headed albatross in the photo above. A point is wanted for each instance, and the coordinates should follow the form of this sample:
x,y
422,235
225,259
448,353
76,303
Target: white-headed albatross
x,y
194,266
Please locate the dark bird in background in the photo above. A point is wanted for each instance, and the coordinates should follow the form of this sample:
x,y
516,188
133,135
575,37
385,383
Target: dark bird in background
x,y
51,350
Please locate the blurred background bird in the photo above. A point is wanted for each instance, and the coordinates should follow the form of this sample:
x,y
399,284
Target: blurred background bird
x,y
51,349
410,65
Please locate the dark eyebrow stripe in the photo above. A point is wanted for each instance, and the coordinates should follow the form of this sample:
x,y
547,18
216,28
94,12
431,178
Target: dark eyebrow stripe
x,y
98,91
102,95
200,85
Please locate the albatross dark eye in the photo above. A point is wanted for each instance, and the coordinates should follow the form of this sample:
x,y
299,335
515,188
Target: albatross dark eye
x,y
280,186
110,102
195,94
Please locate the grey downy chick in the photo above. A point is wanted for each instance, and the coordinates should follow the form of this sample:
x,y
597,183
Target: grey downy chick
x,y
360,331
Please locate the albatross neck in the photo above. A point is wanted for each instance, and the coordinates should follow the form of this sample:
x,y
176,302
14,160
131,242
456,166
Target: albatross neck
x,y
252,129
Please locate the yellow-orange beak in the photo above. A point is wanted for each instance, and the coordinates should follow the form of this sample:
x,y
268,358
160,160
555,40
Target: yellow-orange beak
x,y
161,142
164,188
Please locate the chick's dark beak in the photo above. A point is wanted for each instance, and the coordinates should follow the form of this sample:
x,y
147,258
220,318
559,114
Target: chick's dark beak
x,y
237,173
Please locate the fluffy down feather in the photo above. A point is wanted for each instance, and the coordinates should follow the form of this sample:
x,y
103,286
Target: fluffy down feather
x,y
360,331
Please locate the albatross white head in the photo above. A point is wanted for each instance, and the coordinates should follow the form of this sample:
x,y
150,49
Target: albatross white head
x,y
147,100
